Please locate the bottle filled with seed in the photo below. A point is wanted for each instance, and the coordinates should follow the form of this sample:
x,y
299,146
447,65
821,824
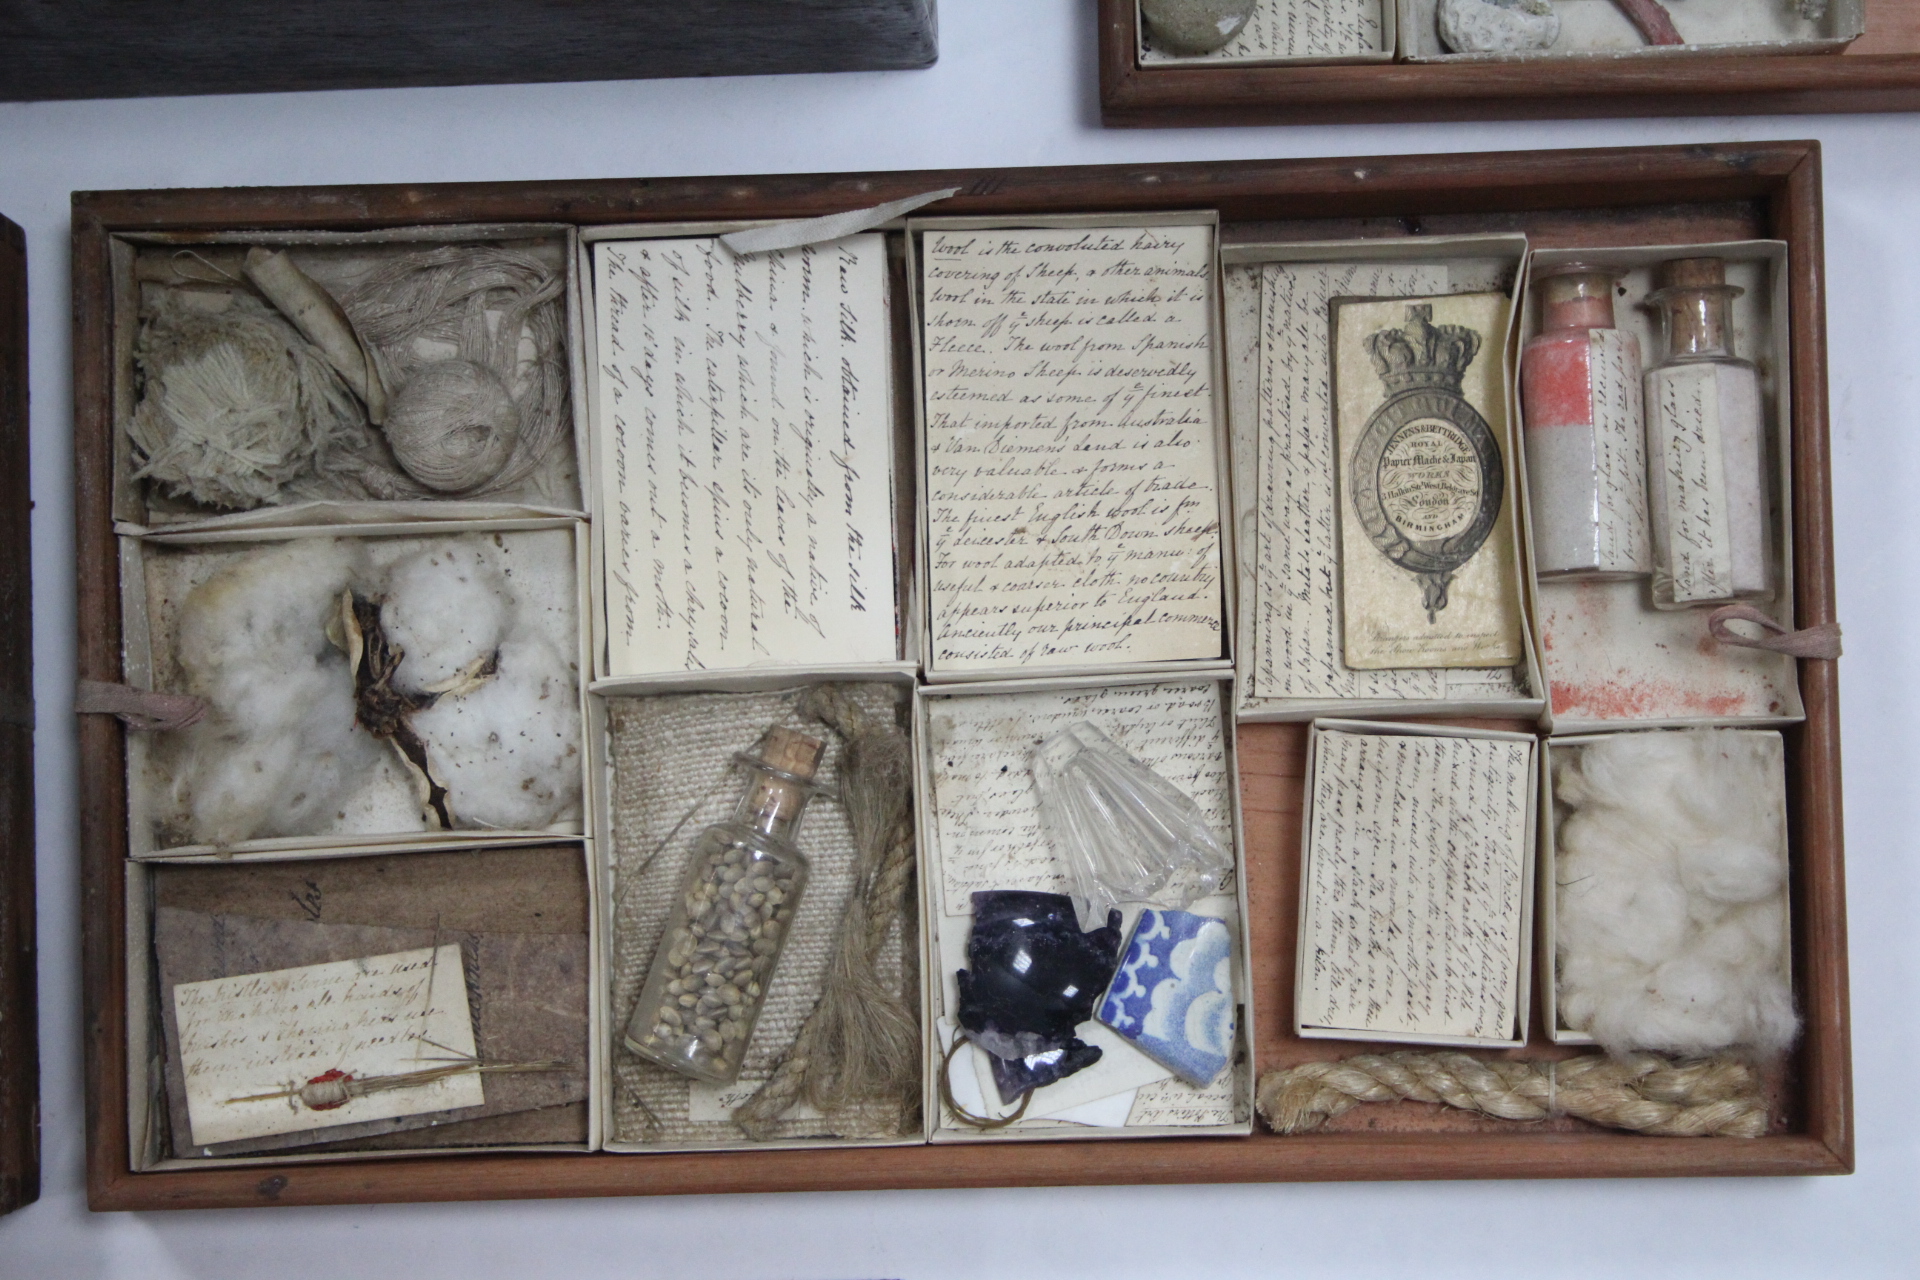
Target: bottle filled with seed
x,y
729,920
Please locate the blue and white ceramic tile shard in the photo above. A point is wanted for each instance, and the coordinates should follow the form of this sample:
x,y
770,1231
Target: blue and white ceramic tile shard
x,y
1173,994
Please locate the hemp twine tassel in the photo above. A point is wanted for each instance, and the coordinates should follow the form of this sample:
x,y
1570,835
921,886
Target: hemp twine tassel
x,y
1643,1092
860,1041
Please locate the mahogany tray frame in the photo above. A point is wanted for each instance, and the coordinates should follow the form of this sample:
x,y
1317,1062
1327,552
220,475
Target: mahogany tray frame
x,y
19,1020
1879,72
1630,195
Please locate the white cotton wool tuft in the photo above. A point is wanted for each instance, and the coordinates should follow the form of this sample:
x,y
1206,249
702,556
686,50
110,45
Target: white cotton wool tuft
x,y
508,752
278,754
445,608
1670,881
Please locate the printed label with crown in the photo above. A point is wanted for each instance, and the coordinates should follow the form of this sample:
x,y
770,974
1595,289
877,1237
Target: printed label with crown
x,y
1428,567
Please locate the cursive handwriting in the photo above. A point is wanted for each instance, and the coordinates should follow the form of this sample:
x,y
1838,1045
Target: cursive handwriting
x,y
1072,498
1415,870
745,425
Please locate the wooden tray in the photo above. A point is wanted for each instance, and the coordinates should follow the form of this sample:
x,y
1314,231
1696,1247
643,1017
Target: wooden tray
x,y
1624,196
19,1043
151,48
1878,72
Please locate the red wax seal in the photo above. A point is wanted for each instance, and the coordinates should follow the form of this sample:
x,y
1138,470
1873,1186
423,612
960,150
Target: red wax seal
x,y
325,1077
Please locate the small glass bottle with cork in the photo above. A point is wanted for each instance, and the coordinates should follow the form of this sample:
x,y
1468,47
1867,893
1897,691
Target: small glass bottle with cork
x,y
1580,382
1706,440
735,907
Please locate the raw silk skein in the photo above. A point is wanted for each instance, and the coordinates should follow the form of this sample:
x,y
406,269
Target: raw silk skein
x,y
1670,878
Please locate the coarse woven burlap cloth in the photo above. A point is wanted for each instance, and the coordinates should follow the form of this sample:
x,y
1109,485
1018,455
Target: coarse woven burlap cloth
x,y
672,759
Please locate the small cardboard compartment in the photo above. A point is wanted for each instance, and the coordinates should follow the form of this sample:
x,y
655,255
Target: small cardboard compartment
x,y
1597,29
1552,815
1289,554
282,720
776,490
1280,34
982,832
219,323
524,928
1611,659
1390,898
665,760
1009,647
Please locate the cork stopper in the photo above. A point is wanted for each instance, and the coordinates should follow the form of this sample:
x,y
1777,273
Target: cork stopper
x,y
1696,302
792,752
1689,273
1574,295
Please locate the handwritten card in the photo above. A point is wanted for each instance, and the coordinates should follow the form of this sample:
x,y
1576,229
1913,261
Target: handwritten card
x,y
744,432
986,817
1295,29
259,1034
1415,886
1072,495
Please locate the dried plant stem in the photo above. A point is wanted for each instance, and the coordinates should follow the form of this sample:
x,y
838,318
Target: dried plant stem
x,y
1643,1092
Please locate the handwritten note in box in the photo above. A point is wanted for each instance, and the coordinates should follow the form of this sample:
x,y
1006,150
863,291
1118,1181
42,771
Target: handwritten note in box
x,y
272,1033
1416,883
743,420
1072,451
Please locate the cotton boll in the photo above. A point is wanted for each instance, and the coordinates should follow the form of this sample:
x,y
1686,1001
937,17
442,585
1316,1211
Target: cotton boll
x,y
279,750
287,780
445,609
508,751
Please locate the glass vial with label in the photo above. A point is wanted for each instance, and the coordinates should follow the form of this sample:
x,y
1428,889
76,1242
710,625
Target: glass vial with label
x,y
729,920
1706,441
1585,434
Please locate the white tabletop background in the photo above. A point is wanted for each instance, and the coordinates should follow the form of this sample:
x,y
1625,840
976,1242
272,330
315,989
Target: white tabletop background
x,y
1015,85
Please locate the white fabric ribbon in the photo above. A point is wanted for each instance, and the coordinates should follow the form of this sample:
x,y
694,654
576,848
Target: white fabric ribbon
x,y
832,226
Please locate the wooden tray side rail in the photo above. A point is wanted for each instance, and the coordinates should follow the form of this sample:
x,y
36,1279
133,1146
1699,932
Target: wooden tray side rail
x,y
1880,72
19,1043
1568,197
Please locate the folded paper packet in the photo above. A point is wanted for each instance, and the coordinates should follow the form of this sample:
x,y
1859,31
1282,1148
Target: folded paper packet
x,y
519,917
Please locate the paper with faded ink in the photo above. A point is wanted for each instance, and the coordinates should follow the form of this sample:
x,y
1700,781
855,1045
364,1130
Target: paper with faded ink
x,y
1413,455
744,435
1297,647
985,815
1416,861
264,1033
1295,29
1174,1102
1073,505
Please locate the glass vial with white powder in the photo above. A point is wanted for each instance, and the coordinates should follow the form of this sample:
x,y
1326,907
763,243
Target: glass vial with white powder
x,y
1585,435
1706,472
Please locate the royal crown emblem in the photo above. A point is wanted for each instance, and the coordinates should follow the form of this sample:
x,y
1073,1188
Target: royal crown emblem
x,y
1425,474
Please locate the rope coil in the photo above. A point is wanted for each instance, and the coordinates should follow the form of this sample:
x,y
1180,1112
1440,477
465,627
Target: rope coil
x,y
1641,1092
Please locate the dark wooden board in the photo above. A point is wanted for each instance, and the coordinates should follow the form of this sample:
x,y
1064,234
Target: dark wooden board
x,y
1878,72
19,1039
1629,195
147,48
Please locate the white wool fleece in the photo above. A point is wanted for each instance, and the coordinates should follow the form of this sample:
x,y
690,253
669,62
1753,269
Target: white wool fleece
x,y
1671,883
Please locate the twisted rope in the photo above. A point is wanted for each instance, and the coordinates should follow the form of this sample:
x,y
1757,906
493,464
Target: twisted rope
x,y
1643,1092
860,1041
